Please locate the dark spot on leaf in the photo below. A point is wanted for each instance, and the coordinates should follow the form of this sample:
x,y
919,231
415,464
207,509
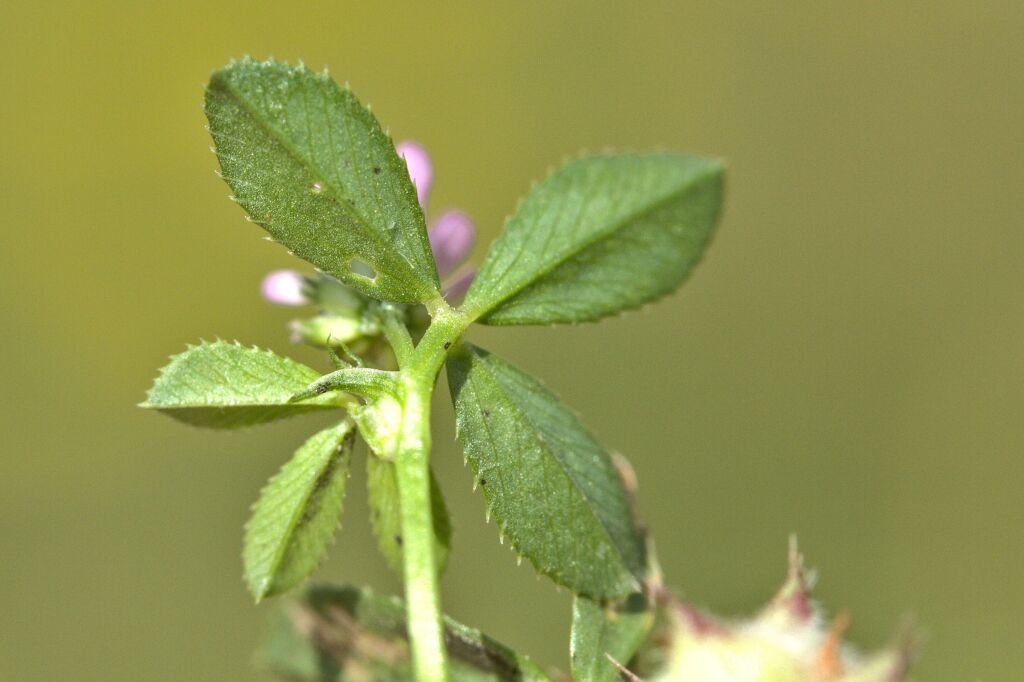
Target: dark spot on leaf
x,y
398,539
487,413
447,345
376,170
321,389
483,482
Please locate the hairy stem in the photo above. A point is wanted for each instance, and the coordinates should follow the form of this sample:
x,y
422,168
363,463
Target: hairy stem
x,y
422,593
396,333
412,464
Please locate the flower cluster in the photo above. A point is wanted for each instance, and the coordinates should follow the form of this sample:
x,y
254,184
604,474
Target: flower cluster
x,y
451,236
788,641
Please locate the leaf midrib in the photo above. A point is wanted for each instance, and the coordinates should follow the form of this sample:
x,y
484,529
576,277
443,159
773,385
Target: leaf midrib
x,y
562,467
279,136
224,406
597,238
298,510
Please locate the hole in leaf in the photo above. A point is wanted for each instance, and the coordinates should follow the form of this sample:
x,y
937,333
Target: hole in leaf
x,y
362,269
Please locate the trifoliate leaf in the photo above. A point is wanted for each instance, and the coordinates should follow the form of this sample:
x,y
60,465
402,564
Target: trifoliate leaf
x,y
295,518
226,385
344,634
385,513
312,166
551,487
600,235
603,631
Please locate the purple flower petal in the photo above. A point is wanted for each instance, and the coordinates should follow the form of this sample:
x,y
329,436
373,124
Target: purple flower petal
x,y
456,291
421,171
451,240
283,287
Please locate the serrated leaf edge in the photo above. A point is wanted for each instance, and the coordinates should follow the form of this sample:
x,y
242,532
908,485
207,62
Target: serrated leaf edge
x,y
515,546
716,165
323,76
177,357
348,440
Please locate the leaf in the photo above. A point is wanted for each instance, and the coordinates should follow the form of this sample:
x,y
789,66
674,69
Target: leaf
x,y
343,634
364,381
599,631
385,513
226,385
312,166
552,488
600,235
295,518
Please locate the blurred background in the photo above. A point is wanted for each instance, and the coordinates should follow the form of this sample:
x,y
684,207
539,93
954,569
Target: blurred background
x,y
847,363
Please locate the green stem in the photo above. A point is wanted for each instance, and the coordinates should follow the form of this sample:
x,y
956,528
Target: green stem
x,y
412,464
396,333
422,593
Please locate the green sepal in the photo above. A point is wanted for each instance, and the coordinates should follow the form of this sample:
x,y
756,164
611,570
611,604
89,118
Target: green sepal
x,y
385,514
311,165
600,235
344,634
297,514
226,385
551,487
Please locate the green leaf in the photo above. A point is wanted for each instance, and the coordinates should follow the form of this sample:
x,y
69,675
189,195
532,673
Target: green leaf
x,y
600,235
295,518
598,632
226,385
551,487
312,166
364,381
382,485
343,634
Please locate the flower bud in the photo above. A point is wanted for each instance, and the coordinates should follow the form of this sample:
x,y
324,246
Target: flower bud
x,y
451,240
333,297
456,291
327,330
421,171
284,287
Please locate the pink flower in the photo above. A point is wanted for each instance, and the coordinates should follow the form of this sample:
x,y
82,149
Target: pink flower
x,y
452,235
451,239
456,289
284,287
421,171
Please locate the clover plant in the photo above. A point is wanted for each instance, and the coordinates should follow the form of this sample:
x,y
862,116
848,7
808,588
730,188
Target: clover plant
x,y
602,234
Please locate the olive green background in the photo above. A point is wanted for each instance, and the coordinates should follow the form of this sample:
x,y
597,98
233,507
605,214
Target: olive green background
x,y
847,363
